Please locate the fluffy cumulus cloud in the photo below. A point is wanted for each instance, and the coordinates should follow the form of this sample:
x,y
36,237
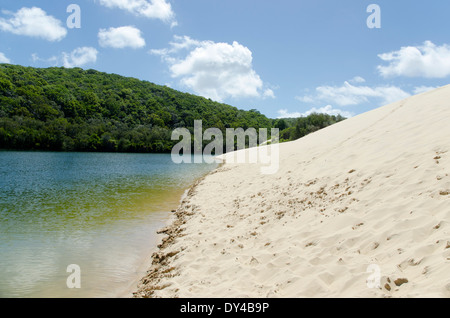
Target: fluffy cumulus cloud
x,y
4,59
427,60
214,70
351,95
33,22
79,57
153,9
122,37
283,113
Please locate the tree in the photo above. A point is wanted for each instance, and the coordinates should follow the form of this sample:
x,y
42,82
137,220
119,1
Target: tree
x,y
280,124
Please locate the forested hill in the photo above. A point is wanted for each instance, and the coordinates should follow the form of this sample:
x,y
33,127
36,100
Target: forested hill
x,y
86,110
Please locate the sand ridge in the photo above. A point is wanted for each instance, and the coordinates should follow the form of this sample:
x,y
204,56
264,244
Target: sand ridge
x,y
371,192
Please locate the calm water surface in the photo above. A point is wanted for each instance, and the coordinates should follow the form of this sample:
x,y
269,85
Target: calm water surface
x,y
99,211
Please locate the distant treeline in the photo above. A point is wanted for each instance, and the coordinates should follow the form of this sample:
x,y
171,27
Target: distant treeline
x,y
63,109
295,128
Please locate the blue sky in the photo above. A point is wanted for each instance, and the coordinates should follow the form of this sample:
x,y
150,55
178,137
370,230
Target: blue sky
x,y
284,58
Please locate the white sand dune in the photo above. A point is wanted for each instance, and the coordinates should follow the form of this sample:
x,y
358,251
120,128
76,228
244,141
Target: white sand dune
x,y
370,193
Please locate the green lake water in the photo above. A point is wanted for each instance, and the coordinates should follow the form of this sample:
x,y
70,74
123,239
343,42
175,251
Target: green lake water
x,y
99,211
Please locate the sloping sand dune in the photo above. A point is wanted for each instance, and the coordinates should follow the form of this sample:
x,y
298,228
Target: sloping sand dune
x,y
367,196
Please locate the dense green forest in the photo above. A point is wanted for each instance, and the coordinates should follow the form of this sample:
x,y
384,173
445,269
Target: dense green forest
x,y
295,128
85,110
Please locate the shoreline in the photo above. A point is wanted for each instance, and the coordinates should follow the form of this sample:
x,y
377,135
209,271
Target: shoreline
x,y
157,263
147,262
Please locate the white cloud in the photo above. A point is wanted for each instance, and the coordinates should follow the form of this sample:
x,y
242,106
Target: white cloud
x,y
52,60
348,94
423,89
283,113
183,43
79,57
180,43
153,9
4,59
126,36
428,61
305,99
214,70
33,22
268,93
357,80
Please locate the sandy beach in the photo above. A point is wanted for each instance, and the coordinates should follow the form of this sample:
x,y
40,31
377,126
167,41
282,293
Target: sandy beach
x,y
358,209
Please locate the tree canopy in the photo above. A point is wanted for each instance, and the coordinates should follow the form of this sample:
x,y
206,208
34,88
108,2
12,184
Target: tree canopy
x,y
73,109
296,128
86,110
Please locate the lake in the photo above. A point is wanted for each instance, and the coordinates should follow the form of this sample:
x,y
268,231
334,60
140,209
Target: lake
x,y
99,211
